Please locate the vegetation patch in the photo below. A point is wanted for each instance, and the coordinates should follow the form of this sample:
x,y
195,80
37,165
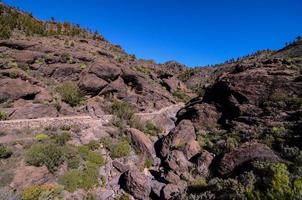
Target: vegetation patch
x,y
62,137
5,152
118,149
3,116
70,93
91,156
122,110
86,178
41,137
51,155
181,95
38,192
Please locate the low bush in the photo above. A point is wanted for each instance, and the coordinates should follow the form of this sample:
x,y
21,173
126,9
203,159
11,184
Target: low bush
x,y
70,93
3,116
187,74
148,163
72,157
62,137
120,149
181,95
76,179
38,192
151,129
41,137
107,142
148,128
5,152
124,197
90,156
197,184
51,155
93,145
122,110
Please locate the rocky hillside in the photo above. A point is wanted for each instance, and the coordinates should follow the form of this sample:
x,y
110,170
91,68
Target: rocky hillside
x,y
54,69
82,119
242,138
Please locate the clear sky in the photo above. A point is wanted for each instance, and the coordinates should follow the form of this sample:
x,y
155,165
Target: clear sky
x,y
193,32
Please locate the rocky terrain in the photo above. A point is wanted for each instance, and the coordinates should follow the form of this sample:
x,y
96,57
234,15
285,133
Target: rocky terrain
x,y
82,119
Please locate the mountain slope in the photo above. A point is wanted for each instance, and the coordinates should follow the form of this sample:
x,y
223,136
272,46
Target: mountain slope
x,y
40,57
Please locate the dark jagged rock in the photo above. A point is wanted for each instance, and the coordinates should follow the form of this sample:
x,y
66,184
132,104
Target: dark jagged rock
x,y
91,84
142,142
247,152
105,70
137,184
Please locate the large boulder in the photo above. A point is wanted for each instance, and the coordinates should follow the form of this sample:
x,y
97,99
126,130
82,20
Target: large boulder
x,y
66,71
181,137
117,87
105,70
203,163
30,175
26,56
13,89
91,84
204,116
177,162
247,152
142,142
33,111
173,84
170,191
137,184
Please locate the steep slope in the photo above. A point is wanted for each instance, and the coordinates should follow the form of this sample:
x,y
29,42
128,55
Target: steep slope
x,y
235,140
52,69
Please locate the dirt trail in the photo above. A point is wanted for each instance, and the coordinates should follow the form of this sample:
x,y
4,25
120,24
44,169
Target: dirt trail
x,y
85,120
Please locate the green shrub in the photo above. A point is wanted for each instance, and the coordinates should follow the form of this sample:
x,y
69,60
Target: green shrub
x,y
122,110
123,197
41,137
72,157
120,149
148,163
3,116
197,184
181,95
5,32
135,122
187,74
76,179
90,156
5,152
51,155
62,138
71,180
151,129
70,93
93,145
107,142
278,131
38,192
83,66
148,128
90,197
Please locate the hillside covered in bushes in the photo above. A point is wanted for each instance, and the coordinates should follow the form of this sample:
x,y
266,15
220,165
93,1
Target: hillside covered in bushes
x,y
148,130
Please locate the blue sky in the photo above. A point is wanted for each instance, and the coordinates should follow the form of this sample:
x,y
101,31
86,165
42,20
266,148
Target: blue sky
x,y
193,32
